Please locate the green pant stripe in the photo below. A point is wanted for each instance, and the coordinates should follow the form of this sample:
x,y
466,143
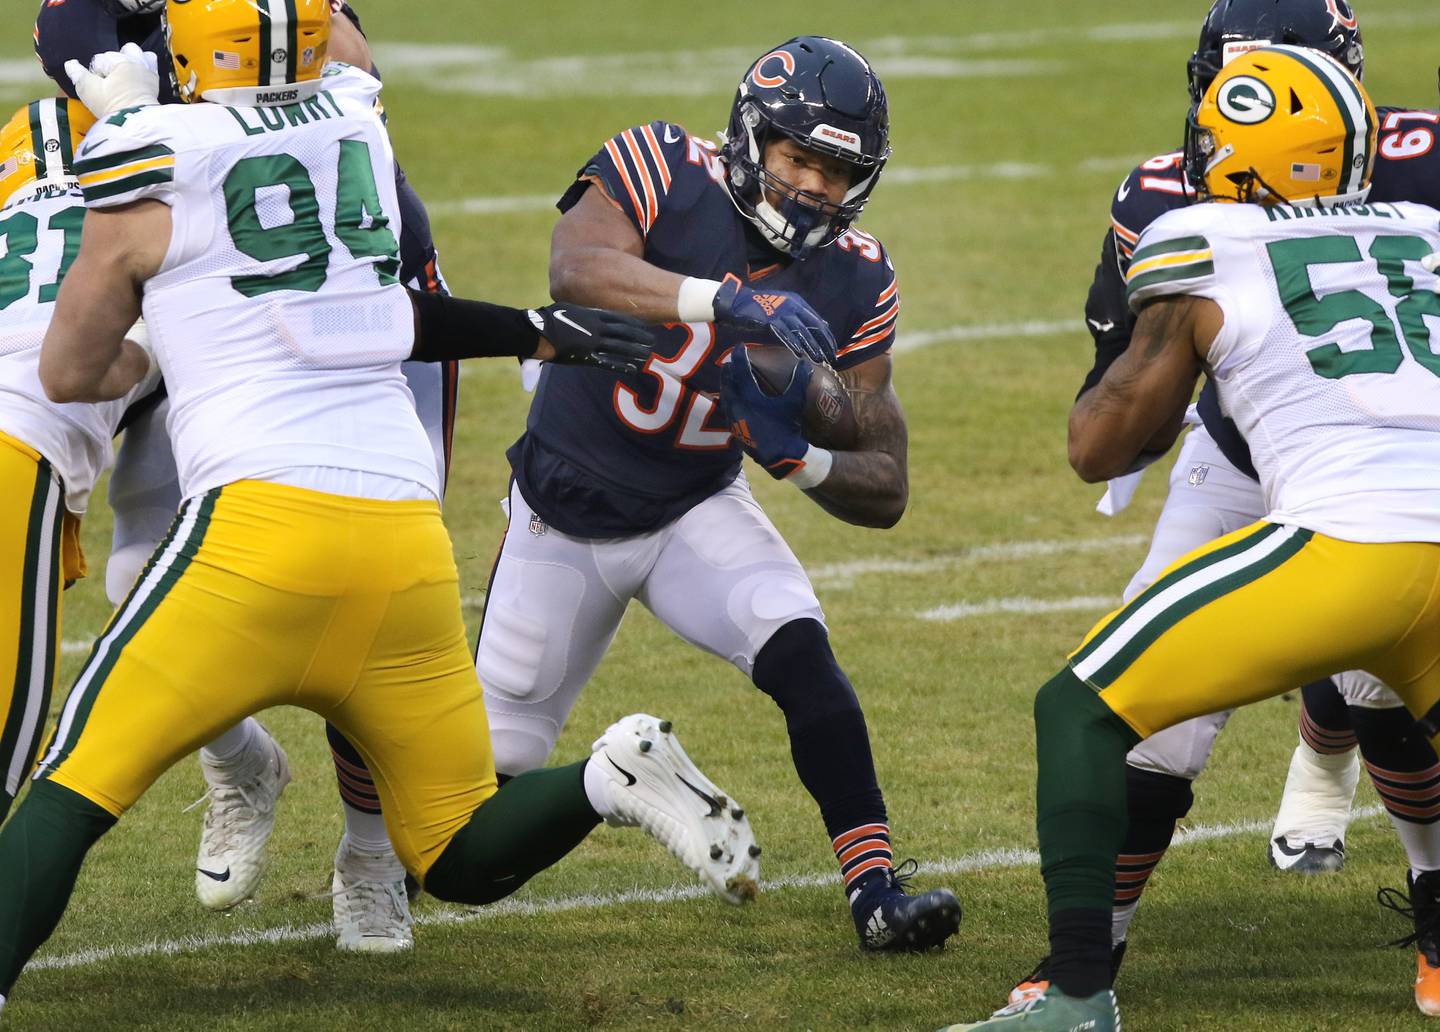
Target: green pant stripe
x,y
10,734
1173,577
111,646
1193,602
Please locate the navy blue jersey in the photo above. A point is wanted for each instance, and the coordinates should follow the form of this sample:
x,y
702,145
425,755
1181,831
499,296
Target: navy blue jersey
x,y
1407,168
607,456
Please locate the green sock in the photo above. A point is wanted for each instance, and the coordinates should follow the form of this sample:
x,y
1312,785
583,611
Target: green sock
x,y
531,822
1080,792
41,850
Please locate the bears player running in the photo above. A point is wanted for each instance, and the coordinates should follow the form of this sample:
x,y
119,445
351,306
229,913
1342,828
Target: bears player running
x,y
634,489
245,769
1213,490
308,564
1312,311
50,455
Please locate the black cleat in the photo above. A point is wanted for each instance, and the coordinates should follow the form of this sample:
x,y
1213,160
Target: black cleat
x,y
890,920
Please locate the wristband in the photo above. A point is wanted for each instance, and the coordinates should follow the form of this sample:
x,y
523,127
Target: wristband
x,y
816,463
140,337
696,300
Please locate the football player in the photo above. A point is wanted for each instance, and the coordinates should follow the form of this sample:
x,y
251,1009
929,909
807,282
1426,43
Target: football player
x,y
308,564
1213,490
634,489
50,455
1309,308
245,769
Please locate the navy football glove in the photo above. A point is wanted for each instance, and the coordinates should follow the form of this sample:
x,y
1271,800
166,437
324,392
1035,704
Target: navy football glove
x,y
594,337
768,428
793,322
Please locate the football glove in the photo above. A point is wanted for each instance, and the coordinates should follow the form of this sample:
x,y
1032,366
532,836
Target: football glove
x,y
594,337
116,80
124,8
787,316
768,428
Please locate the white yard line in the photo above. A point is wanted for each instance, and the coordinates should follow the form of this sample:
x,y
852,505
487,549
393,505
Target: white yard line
x,y
1004,858
843,574
1021,605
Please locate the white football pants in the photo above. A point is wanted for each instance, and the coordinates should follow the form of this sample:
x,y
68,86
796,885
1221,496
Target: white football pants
x,y
720,576
1209,497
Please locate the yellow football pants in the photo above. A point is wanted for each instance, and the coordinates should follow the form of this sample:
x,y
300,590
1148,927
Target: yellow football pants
x,y
39,552
265,595
1260,611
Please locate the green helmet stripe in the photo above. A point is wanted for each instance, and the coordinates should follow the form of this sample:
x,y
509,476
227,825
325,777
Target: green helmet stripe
x,y
266,44
1353,110
37,141
62,121
292,41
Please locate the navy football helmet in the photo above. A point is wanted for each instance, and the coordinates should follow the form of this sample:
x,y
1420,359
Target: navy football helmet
x,y
1235,26
825,96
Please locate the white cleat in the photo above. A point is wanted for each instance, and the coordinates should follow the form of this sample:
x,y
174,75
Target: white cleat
x,y
1309,832
652,784
238,822
372,912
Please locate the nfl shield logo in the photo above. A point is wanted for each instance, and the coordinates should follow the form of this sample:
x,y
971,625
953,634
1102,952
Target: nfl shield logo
x,y
1198,474
537,525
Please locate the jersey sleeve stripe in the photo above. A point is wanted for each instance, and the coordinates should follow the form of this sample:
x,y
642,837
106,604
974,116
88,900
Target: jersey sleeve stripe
x,y
88,166
874,338
1144,266
1169,276
642,172
884,317
109,175
1171,246
659,156
888,292
106,191
619,161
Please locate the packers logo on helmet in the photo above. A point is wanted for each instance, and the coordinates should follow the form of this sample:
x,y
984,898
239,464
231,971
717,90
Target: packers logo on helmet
x,y
37,147
1282,124
247,52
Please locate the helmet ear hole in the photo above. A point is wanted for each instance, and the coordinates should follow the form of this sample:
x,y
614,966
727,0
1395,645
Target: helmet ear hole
x,y
1295,106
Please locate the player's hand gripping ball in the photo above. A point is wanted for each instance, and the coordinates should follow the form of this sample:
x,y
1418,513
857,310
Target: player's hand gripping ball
x,y
828,417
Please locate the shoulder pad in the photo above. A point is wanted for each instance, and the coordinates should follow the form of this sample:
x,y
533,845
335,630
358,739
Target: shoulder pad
x,y
128,156
1407,160
1173,256
641,167
1149,191
875,291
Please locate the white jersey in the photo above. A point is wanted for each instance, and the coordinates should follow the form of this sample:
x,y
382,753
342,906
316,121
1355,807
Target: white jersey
x,y
1325,361
277,318
41,234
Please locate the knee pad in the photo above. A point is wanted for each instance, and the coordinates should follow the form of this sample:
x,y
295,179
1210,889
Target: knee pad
x,y
1365,691
797,669
123,567
520,743
1157,797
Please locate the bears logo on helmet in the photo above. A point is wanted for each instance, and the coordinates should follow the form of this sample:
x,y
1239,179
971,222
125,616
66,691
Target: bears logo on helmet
x,y
1235,27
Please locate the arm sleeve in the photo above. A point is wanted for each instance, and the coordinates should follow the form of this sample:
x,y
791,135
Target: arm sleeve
x,y
128,157
636,169
449,328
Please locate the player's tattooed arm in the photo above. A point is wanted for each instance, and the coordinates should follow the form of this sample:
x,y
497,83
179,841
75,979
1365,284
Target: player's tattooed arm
x,y
870,486
1138,407
86,356
596,260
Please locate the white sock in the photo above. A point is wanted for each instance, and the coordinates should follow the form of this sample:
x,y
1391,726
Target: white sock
x,y
597,789
1120,922
366,831
241,738
1421,842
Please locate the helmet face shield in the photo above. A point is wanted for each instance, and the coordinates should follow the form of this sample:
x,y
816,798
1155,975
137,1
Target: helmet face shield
x,y
824,96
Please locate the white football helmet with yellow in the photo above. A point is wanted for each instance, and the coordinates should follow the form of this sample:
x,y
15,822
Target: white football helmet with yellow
x,y
247,53
37,147
1282,124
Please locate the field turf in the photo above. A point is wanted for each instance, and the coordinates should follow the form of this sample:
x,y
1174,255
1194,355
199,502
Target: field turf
x,y
1013,121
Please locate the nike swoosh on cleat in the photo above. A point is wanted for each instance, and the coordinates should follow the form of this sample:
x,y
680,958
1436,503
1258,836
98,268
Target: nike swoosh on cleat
x,y
213,876
709,800
629,778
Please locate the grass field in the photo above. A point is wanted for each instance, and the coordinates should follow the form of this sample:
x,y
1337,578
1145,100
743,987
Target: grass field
x,y
1013,121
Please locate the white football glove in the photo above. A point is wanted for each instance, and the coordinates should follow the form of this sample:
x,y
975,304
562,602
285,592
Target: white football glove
x,y
116,80
135,6
1430,263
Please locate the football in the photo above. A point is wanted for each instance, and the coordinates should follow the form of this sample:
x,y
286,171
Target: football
x,y
829,416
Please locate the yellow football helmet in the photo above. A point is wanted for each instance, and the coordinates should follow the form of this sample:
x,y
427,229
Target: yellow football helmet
x,y
247,52
1282,124
38,144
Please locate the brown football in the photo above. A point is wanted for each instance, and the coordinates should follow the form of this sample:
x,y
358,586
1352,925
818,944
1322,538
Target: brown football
x,y
829,416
